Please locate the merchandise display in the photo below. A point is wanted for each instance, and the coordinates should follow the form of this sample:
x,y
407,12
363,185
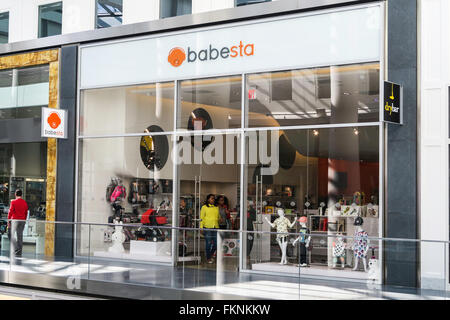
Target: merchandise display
x,y
118,238
360,244
303,240
339,251
281,224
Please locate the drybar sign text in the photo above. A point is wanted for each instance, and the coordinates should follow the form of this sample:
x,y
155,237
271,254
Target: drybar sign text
x,y
178,55
393,103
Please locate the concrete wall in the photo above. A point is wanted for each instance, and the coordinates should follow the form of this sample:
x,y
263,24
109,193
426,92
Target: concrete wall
x,y
401,219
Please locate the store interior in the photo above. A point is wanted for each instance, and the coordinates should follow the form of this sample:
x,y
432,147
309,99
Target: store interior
x,y
328,175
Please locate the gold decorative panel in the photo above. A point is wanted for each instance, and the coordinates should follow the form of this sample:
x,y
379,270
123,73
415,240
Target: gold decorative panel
x,y
50,57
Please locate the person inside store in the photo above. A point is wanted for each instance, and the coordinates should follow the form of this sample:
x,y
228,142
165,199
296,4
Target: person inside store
x,y
251,218
184,214
225,218
17,215
209,215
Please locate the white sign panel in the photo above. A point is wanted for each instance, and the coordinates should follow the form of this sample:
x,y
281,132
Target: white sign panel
x,y
328,38
54,123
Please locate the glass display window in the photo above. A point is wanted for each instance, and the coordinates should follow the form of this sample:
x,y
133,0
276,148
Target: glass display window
x,y
330,177
123,110
213,103
336,94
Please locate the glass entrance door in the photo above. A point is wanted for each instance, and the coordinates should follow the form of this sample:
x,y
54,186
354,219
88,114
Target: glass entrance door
x,y
209,167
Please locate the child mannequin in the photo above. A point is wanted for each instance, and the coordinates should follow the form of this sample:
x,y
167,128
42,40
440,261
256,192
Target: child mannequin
x,y
303,241
282,224
360,244
339,251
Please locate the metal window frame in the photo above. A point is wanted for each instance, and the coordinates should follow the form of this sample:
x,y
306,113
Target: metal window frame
x,y
40,7
96,16
176,132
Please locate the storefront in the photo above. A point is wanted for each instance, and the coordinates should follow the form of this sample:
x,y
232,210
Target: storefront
x,y
281,112
28,162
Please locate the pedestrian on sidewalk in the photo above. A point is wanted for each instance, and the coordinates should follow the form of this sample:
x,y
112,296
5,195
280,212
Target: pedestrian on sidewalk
x,y
17,217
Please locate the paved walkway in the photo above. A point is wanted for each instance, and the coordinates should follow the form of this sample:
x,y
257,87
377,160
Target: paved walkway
x,y
259,286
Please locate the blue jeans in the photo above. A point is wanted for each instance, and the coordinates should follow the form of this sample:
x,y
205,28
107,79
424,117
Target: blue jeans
x,y
210,242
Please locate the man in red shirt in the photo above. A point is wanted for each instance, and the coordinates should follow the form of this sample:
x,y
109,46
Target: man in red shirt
x,y
17,215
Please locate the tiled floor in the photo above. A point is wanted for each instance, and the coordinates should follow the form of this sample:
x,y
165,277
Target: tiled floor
x,y
208,279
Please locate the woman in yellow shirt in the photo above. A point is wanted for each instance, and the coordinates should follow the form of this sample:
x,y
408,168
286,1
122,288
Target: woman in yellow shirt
x,y
209,215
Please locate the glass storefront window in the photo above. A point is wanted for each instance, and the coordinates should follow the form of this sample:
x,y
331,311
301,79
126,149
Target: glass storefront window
x,y
127,109
23,166
337,94
23,92
207,165
124,179
213,103
329,176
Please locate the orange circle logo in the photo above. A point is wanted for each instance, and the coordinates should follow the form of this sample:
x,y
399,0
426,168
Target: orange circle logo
x,y
176,56
54,120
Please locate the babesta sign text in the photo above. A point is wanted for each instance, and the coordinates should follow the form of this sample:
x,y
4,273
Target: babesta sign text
x,y
54,123
178,55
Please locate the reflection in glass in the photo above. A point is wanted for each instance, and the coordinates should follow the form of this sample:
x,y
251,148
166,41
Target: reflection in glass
x,y
127,109
109,13
210,104
23,166
173,8
246,2
23,92
202,171
4,27
116,184
50,19
340,94
330,176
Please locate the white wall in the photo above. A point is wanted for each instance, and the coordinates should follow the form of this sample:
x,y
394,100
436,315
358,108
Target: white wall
x,y
135,11
434,143
210,5
79,15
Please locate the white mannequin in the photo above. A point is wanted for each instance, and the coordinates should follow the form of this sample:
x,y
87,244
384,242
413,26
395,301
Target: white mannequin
x,y
302,221
281,239
118,238
358,223
338,254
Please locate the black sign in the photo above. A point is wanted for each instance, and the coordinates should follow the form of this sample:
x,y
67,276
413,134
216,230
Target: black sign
x,y
393,103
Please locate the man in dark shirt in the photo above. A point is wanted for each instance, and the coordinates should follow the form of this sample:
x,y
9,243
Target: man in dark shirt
x,y
16,222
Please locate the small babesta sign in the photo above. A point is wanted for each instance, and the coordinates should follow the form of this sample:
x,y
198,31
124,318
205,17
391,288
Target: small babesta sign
x,y
54,123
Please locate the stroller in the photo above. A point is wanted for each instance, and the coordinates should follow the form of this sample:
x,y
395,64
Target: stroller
x,y
150,231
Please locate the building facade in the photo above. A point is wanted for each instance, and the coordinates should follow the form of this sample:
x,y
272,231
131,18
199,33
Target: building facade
x,y
271,105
